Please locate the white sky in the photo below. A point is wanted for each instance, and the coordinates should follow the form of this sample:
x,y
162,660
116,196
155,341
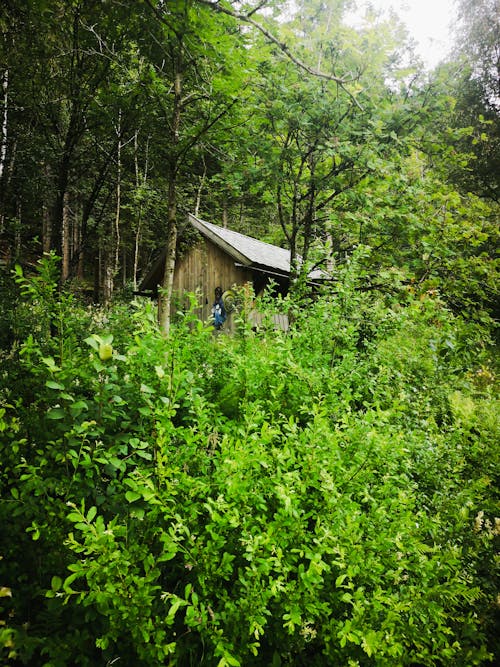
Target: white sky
x,y
428,21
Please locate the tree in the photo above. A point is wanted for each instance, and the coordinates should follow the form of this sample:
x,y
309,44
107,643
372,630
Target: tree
x,y
475,84
315,141
195,80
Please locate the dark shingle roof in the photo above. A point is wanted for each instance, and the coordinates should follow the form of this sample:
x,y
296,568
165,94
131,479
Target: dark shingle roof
x,y
245,249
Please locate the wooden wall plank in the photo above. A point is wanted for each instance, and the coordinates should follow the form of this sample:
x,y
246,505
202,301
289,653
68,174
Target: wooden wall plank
x,y
203,268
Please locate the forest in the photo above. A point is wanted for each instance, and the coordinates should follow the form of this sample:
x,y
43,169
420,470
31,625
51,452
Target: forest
x,y
325,495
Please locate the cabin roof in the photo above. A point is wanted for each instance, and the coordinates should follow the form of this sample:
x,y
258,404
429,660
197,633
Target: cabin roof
x,y
245,249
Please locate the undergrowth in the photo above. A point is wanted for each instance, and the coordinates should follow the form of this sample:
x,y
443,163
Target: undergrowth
x,y
322,496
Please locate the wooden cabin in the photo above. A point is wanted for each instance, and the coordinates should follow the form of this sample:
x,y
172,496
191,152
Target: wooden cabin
x,y
223,258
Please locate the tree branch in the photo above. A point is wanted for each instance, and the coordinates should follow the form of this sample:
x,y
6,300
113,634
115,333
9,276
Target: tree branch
x,y
246,18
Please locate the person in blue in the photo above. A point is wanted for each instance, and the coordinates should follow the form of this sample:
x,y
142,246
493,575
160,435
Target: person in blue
x,y
218,310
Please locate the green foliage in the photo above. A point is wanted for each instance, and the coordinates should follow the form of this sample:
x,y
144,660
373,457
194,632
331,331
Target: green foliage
x,y
323,496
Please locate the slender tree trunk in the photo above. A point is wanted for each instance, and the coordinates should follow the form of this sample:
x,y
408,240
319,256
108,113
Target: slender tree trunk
x,y
200,189
79,255
46,228
97,275
112,252
224,213
116,235
136,253
309,217
56,226
330,261
165,296
139,180
5,185
17,231
108,276
124,267
3,144
65,239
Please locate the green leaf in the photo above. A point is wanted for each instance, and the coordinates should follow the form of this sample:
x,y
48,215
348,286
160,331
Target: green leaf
x,y
78,407
132,496
91,513
56,583
54,385
118,463
52,366
94,342
340,580
69,580
56,413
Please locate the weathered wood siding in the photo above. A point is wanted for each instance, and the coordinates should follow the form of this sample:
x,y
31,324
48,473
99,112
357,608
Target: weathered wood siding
x,y
203,268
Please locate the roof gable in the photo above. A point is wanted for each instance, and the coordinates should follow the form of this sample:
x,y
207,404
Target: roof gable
x,y
245,249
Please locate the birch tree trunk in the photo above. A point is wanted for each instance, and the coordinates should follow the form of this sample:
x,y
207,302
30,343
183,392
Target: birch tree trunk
x,y
200,189
165,295
3,145
140,180
117,238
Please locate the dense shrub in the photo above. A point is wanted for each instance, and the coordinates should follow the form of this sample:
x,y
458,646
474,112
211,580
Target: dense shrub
x,y
326,496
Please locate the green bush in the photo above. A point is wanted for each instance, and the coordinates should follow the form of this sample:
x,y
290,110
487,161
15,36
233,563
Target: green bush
x,y
326,496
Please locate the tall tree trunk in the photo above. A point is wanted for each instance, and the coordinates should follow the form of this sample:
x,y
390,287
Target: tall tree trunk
x,y
330,261
5,185
309,218
200,188
116,235
224,213
137,237
3,144
124,267
46,213
112,253
17,231
107,283
65,239
136,254
46,228
4,180
165,296
56,226
139,180
97,275
78,247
